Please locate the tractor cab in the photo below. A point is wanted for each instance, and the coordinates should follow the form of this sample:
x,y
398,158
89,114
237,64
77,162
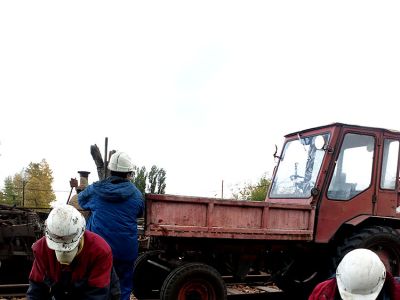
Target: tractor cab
x,y
349,173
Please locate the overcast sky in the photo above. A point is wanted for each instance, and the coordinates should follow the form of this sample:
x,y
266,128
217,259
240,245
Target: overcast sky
x,y
202,89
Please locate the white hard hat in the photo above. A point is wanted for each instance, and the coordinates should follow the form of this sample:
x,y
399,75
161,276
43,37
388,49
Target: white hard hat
x,y
120,162
360,275
65,226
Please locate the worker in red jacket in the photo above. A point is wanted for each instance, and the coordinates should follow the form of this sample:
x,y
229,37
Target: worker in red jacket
x,y
71,263
361,275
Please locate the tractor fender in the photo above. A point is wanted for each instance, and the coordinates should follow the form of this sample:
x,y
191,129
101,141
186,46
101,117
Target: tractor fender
x,y
364,221
357,220
368,220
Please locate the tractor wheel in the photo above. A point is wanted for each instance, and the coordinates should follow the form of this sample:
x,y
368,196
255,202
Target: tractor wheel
x,y
385,241
194,281
147,277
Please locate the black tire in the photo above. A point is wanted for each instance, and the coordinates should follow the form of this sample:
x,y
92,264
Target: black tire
x,y
385,241
194,281
147,277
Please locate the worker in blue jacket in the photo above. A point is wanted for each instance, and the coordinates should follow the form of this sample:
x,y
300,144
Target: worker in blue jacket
x,y
116,204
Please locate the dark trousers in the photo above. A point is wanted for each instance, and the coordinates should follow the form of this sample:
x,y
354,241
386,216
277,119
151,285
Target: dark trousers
x,y
124,270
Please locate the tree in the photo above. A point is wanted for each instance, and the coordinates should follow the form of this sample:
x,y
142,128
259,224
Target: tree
x,y
256,192
38,180
153,179
150,182
19,186
31,187
162,176
139,178
156,178
9,193
12,191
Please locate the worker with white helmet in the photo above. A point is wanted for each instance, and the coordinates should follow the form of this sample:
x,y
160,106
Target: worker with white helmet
x,y
70,262
361,275
116,203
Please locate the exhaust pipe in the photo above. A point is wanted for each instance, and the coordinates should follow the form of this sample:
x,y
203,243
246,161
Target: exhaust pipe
x,y
83,181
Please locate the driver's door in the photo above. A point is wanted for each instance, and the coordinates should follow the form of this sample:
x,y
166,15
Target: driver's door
x,y
387,199
350,186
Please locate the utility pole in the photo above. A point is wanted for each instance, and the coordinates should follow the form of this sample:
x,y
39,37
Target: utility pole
x,y
222,189
23,192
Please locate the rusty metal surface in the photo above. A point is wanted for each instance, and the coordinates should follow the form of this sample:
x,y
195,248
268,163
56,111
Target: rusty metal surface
x,y
372,201
169,215
19,229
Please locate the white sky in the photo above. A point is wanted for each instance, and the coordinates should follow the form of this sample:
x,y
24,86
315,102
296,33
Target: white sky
x,y
203,89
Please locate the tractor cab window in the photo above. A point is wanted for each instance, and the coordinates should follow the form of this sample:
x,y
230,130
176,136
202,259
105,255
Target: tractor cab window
x,y
353,167
299,167
389,164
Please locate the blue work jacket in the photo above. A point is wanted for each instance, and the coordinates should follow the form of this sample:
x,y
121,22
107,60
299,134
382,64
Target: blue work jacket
x,y
115,204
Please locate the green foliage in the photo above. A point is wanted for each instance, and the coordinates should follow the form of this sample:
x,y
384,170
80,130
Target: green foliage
x,y
9,193
30,188
150,182
12,191
39,178
139,178
253,192
153,179
161,177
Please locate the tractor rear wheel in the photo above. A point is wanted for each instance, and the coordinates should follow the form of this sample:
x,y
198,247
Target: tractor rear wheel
x,y
194,281
383,240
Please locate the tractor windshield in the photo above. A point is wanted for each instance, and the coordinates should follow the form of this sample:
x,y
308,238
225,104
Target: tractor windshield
x,y
299,166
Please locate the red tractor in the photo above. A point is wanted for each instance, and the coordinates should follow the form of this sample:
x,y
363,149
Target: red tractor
x,y
335,188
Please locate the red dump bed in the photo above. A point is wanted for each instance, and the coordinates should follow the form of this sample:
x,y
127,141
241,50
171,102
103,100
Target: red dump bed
x,y
183,216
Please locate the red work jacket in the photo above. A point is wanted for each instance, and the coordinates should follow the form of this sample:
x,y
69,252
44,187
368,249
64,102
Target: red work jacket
x,y
327,290
87,277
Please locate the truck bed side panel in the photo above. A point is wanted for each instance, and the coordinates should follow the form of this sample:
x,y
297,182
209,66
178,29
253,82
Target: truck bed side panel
x,y
182,216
